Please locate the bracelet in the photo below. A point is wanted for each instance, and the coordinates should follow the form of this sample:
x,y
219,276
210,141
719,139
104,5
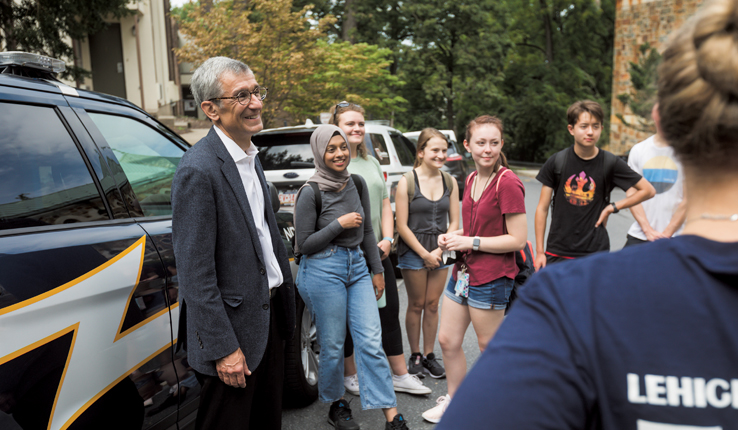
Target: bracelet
x,y
391,240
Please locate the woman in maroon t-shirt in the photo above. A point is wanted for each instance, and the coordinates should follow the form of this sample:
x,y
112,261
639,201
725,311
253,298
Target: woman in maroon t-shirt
x,y
493,213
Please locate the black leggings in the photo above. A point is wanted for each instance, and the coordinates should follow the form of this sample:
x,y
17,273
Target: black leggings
x,y
389,316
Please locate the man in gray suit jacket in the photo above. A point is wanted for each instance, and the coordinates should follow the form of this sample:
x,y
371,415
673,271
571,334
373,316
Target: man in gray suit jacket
x,y
237,297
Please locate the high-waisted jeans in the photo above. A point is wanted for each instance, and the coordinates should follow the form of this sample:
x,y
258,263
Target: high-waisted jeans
x,y
336,286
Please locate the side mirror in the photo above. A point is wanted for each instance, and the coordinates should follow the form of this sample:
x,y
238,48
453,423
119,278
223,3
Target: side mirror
x,y
274,197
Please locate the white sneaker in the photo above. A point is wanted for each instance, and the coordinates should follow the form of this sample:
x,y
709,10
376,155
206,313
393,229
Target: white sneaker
x,y
411,384
352,384
435,413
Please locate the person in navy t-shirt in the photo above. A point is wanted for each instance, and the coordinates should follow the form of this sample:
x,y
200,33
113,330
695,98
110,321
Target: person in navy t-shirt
x,y
645,338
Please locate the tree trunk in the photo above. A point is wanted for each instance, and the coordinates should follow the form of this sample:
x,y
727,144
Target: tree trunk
x,y
546,16
349,22
6,23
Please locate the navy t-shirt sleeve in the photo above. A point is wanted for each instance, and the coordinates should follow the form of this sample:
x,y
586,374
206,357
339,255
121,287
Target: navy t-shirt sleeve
x,y
624,177
546,175
531,375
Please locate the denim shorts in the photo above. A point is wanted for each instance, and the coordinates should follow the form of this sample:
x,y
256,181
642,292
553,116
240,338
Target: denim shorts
x,y
492,295
410,260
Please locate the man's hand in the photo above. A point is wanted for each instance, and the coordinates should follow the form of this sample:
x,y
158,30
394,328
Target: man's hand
x,y
378,283
350,220
384,248
232,369
604,215
540,261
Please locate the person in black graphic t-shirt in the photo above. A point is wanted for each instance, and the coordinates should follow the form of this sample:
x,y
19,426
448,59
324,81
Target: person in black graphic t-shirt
x,y
580,179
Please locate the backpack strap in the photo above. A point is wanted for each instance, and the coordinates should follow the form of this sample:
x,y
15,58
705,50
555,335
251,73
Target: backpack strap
x,y
559,162
448,180
359,184
497,186
410,182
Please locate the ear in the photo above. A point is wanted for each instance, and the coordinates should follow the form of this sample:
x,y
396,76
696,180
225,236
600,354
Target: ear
x,y
211,110
466,146
502,143
571,129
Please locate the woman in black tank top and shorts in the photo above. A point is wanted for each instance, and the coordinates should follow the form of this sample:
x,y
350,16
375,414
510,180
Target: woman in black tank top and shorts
x,y
431,210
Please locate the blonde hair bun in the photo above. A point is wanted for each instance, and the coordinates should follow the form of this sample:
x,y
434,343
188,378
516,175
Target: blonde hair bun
x,y
716,44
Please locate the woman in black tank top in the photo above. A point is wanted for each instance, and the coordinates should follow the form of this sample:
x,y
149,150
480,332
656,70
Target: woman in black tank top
x,y
425,208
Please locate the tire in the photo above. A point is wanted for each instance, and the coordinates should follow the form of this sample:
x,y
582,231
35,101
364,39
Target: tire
x,y
301,357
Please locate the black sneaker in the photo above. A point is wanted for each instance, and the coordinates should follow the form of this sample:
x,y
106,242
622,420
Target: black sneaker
x,y
398,423
415,364
433,367
339,416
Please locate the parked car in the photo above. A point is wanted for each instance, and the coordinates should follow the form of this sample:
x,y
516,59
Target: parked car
x,y
287,158
88,278
457,158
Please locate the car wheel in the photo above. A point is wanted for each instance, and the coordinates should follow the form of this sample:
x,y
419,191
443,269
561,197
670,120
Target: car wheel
x,y
301,355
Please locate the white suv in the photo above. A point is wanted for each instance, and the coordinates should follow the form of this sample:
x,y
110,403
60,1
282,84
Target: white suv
x,y
287,159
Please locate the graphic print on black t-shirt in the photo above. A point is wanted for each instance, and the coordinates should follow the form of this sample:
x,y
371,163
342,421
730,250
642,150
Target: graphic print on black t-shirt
x,y
580,189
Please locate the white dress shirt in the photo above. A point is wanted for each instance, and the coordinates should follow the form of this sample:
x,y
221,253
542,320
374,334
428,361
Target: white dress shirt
x,y
252,186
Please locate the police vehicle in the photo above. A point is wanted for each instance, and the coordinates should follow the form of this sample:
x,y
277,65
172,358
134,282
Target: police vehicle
x,y
88,279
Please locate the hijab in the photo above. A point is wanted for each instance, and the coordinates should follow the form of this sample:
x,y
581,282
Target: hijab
x,y
327,179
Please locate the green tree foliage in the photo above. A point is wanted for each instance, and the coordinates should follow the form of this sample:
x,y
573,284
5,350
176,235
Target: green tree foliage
x,y
44,26
563,53
290,54
643,77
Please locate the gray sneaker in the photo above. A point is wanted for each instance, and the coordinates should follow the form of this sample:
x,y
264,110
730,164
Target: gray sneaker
x,y
432,367
415,364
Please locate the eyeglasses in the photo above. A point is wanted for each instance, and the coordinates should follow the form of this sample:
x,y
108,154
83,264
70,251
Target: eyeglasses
x,y
343,104
244,97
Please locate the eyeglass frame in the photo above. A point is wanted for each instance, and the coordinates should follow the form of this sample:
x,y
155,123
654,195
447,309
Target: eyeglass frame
x,y
250,94
342,104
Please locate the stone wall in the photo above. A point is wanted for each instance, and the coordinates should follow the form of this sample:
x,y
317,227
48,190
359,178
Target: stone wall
x,y
638,22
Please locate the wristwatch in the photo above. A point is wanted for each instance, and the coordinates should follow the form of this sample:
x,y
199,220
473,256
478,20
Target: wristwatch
x,y
391,240
614,208
476,243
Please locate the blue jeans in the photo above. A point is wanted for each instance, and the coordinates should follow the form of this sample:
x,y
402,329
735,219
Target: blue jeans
x,y
336,287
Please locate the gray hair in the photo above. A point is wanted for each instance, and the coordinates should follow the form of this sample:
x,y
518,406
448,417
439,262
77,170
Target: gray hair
x,y
206,79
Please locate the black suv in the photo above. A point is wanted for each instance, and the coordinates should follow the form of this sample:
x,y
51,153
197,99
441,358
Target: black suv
x,y
88,280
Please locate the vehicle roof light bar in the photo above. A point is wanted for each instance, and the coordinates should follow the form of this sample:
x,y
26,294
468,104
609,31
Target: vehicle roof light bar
x,y
36,61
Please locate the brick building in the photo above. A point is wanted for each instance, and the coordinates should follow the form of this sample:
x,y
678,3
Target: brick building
x,y
637,22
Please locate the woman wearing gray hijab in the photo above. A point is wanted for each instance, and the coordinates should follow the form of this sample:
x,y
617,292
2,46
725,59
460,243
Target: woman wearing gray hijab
x,y
335,283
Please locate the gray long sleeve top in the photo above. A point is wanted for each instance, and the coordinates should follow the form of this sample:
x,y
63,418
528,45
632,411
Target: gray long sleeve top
x,y
329,231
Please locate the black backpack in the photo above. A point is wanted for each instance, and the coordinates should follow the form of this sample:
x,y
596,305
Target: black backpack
x,y
358,183
524,260
561,157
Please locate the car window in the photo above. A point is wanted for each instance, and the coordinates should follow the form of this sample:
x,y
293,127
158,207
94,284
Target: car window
x,y
43,177
405,149
380,148
148,159
284,151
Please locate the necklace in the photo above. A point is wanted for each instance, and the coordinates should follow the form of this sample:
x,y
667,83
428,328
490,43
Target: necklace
x,y
474,191
711,217
474,187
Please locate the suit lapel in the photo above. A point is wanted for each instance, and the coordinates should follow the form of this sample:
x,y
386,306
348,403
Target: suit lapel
x,y
230,172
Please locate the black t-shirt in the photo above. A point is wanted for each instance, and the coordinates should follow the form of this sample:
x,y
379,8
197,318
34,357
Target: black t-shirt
x,y
579,198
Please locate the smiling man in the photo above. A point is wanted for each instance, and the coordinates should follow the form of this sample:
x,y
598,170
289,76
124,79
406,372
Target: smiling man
x,y
580,179
237,297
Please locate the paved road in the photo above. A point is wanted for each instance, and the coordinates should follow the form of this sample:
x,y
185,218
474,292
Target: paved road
x,y
314,416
